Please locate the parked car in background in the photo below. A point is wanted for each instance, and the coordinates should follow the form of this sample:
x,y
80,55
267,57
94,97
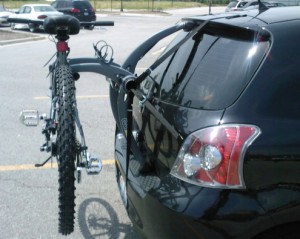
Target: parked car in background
x,y
33,12
215,144
4,14
254,5
235,6
82,10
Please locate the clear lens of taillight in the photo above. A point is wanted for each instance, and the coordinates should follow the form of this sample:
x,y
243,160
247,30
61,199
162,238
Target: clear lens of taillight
x,y
213,157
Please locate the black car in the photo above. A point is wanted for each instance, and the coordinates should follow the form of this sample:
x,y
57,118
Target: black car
x,y
215,144
82,10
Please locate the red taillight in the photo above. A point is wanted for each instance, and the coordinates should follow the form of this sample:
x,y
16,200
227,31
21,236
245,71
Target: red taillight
x,y
74,10
213,156
62,46
42,17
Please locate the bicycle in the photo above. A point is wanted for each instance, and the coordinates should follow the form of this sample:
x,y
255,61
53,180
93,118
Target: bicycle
x,y
63,121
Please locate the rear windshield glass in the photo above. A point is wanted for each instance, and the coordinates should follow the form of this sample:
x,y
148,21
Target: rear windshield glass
x,y
83,5
44,9
207,72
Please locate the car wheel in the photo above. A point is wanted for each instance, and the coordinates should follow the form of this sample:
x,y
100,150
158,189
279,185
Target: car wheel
x,y
12,26
32,28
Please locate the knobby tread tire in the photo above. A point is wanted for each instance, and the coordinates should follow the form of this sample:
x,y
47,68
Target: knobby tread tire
x,y
66,148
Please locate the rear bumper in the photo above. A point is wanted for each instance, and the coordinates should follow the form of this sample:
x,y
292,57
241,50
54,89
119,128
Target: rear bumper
x,y
169,208
83,18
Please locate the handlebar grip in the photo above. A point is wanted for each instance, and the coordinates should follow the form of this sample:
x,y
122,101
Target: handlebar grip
x,y
98,23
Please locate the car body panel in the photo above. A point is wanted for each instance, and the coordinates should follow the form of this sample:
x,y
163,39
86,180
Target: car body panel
x,y
163,206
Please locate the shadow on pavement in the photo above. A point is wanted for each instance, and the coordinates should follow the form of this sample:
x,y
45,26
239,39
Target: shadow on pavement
x,y
98,219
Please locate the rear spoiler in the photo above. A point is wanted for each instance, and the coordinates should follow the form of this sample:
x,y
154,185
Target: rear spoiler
x,y
220,29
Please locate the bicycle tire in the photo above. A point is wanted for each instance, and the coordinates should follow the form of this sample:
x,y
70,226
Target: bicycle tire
x,y
66,148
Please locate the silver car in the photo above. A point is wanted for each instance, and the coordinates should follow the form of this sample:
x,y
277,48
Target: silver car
x,y
4,14
33,12
235,6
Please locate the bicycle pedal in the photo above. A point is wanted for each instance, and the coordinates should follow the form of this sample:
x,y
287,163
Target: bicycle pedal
x,y
95,166
29,117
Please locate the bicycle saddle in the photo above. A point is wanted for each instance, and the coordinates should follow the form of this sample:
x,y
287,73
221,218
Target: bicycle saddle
x,y
53,24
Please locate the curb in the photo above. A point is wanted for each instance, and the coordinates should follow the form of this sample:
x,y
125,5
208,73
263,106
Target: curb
x,y
28,39
13,37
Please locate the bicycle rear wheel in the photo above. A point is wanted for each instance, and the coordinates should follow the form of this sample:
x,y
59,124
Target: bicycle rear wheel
x,y
66,147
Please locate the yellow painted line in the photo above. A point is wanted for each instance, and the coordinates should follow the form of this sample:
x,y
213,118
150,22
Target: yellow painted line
x,y
77,97
22,167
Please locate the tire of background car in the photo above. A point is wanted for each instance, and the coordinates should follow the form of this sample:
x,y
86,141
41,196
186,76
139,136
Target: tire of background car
x,y
66,148
32,28
12,26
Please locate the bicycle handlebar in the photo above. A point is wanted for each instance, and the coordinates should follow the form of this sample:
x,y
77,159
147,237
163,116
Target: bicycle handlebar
x,y
98,23
40,22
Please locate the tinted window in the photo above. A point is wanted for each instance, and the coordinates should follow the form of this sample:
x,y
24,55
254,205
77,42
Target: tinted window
x,y
232,4
62,4
207,72
27,10
242,4
22,10
82,5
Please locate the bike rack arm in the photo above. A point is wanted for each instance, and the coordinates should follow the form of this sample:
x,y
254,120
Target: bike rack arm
x,y
110,70
131,62
115,71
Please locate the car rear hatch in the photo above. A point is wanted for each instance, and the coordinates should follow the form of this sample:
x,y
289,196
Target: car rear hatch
x,y
86,11
189,91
